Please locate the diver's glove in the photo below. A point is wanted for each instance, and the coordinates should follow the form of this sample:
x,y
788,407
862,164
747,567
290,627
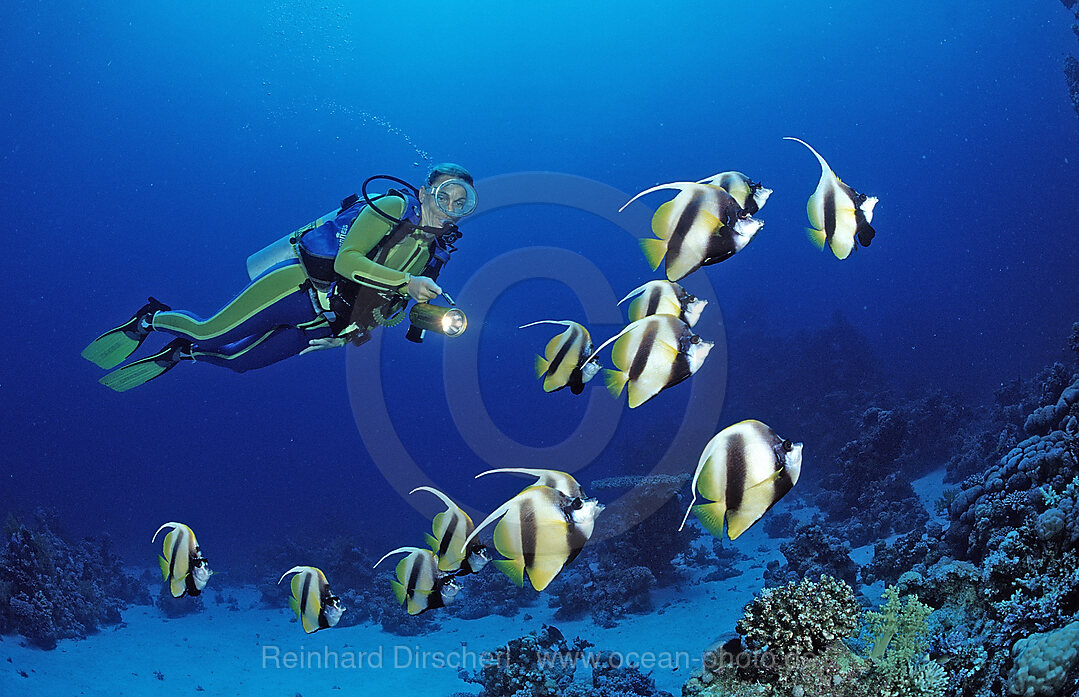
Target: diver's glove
x,y
421,289
328,342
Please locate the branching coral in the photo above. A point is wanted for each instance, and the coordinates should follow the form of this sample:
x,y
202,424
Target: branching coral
x,y
800,618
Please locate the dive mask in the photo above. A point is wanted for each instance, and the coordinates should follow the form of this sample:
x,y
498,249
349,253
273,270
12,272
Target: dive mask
x,y
455,198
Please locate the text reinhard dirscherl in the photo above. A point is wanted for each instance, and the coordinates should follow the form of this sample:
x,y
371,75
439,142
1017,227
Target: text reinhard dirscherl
x,y
401,657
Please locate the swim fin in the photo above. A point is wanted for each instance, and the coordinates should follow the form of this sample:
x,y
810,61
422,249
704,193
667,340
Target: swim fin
x,y
114,346
146,369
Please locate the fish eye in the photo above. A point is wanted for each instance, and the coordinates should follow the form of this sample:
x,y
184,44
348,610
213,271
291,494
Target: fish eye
x,y
696,339
691,299
577,503
788,445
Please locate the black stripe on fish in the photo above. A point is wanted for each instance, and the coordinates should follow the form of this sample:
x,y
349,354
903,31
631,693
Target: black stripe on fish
x,y
528,533
174,554
413,577
679,370
563,350
829,213
682,226
644,350
305,589
736,471
447,536
654,296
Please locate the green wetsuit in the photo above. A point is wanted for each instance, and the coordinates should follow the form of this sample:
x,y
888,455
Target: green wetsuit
x,y
275,316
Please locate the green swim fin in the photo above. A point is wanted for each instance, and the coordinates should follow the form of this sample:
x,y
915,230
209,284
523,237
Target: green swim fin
x,y
114,346
146,369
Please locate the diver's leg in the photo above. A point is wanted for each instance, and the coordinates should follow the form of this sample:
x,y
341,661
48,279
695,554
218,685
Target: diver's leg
x,y
275,299
260,351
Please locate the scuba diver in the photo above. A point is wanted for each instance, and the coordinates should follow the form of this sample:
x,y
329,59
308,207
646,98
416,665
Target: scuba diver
x,y
329,283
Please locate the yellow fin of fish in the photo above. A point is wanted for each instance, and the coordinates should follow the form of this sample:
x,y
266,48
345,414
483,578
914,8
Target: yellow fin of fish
x,y
164,564
513,568
541,366
817,237
615,381
711,517
398,591
654,250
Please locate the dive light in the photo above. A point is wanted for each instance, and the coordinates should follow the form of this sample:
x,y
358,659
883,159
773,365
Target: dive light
x,y
448,321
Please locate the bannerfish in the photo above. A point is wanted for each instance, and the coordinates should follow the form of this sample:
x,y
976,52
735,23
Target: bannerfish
x,y
562,481
312,600
840,216
450,528
652,354
181,561
700,226
664,298
540,531
744,470
750,195
420,586
561,364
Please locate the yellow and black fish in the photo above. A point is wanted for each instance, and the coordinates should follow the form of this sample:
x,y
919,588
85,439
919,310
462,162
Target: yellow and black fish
x,y
181,561
744,470
750,195
312,600
451,527
840,216
561,364
702,225
664,298
540,531
420,586
562,481
652,354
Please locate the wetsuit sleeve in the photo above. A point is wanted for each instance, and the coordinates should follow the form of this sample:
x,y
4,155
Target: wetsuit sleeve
x,y
365,233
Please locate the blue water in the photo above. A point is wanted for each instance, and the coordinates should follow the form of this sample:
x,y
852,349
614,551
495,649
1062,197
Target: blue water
x,y
148,149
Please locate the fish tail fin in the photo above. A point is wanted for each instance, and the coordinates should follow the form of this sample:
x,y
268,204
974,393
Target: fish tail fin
x,y
711,516
817,237
513,568
295,605
615,381
541,366
164,564
431,542
398,591
654,251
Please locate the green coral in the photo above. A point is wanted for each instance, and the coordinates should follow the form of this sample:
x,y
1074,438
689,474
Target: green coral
x,y
901,666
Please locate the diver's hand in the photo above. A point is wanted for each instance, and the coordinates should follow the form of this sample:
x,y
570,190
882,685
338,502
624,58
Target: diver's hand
x,y
322,344
421,289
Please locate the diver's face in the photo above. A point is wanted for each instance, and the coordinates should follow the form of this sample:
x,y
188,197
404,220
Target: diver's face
x,y
431,215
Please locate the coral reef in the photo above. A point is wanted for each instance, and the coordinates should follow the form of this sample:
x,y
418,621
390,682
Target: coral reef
x,y
543,664
51,589
605,593
800,618
650,515
806,629
1045,663
911,552
868,491
811,553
